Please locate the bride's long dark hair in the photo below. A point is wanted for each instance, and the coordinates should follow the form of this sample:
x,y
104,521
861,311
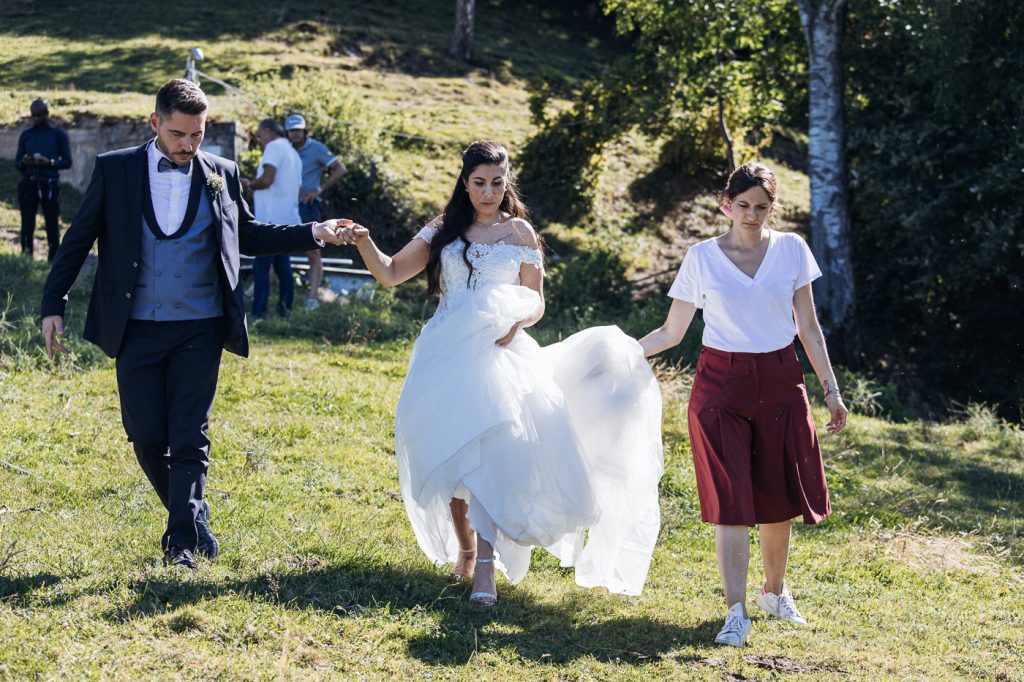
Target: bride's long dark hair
x,y
458,214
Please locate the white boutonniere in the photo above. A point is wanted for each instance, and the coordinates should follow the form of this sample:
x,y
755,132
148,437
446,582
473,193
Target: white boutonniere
x,y
214,185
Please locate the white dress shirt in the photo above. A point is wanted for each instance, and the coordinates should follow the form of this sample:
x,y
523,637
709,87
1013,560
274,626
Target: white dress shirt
x,y
169,192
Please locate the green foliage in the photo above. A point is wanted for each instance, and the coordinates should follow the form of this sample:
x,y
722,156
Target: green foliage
x,y
936,147
334,115
869,396
562,161
371,195
21,345
588,288
696,68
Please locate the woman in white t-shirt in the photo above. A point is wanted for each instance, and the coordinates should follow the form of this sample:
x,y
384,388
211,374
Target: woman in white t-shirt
x,y
755,449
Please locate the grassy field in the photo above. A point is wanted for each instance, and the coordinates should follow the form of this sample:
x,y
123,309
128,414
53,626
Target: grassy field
x,y
109,58
916,576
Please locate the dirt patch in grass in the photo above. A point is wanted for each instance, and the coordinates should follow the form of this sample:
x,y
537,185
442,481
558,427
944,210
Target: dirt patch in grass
x,y
788,666
777,664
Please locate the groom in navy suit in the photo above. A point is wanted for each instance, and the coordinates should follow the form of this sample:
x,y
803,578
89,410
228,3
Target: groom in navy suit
x,y
170,222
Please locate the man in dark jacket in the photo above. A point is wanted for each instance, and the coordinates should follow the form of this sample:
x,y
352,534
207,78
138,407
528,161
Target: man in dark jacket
x,y
43,152
170,222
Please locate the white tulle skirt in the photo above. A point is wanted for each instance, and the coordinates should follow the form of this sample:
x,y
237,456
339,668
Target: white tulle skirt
x,y
558,447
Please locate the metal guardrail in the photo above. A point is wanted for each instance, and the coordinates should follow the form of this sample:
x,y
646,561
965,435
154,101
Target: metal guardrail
x,y
336,265
345,282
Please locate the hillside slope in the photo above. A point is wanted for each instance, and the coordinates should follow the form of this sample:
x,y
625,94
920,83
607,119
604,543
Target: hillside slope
x,y
108,58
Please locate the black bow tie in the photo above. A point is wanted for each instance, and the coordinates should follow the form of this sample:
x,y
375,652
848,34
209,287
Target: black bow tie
x,y
165,165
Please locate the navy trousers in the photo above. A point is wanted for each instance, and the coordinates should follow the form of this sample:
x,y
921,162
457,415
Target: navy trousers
x,y
33,195
167,378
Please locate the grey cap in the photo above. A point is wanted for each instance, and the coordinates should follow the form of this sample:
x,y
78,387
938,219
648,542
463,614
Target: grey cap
x,y
295,122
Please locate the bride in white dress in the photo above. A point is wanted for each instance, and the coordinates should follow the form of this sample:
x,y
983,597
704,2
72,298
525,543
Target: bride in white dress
x,y
503,445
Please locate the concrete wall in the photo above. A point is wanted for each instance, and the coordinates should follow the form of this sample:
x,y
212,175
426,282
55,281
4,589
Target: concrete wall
x,y
90,136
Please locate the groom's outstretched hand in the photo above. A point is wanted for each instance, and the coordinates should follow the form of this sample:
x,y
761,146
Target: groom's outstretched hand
x,y
352,233
53,326
330,231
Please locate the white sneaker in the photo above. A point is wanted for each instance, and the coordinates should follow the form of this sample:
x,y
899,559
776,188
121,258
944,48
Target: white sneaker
x,y
781,606
312,303
736,628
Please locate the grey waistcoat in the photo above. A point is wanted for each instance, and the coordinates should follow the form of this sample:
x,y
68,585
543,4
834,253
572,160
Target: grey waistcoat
x,y
179,276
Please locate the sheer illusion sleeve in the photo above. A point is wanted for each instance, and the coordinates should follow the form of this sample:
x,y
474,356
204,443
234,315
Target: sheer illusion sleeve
x,y
429,230
532,256
525,236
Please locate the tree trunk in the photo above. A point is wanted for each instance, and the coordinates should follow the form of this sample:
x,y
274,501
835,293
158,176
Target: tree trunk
x,y
730,153
830,216
461,45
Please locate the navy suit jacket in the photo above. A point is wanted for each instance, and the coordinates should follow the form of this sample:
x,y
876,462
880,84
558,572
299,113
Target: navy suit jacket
x,y
111,217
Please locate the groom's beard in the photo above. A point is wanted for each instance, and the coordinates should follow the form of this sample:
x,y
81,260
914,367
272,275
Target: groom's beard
x,y
179,157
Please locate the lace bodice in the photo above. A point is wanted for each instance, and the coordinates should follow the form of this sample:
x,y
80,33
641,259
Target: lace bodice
x,y
493,264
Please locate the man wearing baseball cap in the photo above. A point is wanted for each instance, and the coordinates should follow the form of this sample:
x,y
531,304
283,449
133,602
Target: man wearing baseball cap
x,y
315,158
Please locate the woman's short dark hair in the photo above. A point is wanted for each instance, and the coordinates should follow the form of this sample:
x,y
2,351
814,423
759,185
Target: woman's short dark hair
x,y
749,175
181,95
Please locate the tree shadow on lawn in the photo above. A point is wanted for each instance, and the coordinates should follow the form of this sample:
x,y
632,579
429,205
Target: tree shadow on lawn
x,y
19,587
665,189
541,632
410,36
115,69
957,489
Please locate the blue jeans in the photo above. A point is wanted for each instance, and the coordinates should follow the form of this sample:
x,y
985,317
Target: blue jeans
x,y
261,284
311,212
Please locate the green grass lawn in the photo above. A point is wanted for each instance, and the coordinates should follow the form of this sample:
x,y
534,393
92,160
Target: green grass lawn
x,y
916,576
110,57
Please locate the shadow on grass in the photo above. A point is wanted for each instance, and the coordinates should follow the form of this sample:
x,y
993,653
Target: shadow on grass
x,y
938,479
527,40
19,587
664,189
115,69
536,631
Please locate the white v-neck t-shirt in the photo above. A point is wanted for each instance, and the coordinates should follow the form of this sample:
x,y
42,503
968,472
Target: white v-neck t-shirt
x,y
746,314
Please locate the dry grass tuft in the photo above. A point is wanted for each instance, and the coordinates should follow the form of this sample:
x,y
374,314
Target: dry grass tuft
x,y
936,553
676,380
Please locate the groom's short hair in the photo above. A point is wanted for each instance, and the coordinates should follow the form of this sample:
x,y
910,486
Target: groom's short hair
x,y
181,95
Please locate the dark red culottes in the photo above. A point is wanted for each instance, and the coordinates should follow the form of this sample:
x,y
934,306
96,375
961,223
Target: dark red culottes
x,y
755,449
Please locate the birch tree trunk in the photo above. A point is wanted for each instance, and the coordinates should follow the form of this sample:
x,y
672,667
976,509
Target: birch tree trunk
x,y
823,22
461,45
730,153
